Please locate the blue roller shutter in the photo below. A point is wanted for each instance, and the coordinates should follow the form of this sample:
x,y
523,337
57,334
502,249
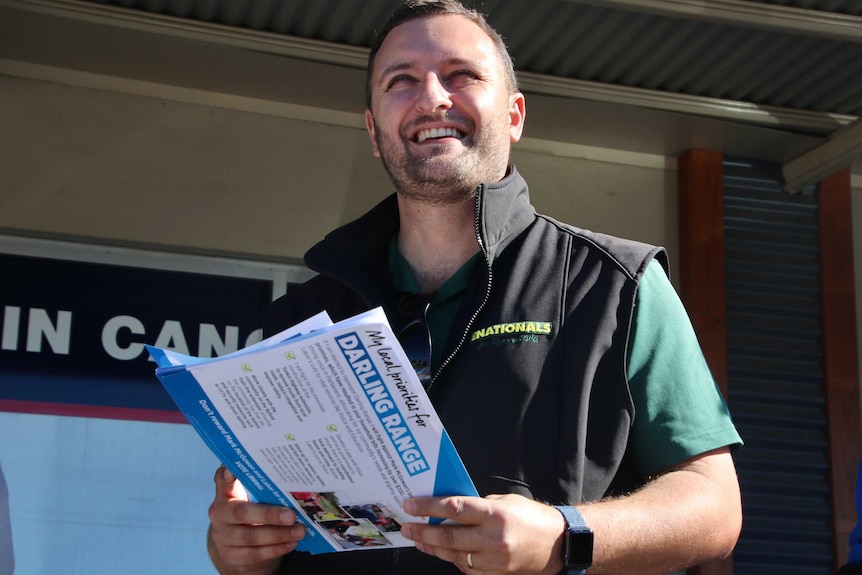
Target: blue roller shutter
x,y
775,374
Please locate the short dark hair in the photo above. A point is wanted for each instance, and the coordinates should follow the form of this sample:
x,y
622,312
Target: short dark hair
x,y
413,9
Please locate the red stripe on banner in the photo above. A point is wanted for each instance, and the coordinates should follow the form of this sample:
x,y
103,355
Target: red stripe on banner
x,y
101,412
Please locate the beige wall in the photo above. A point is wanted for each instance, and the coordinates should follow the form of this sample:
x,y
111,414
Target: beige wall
x,y
136,170
623,200
127,131
132,169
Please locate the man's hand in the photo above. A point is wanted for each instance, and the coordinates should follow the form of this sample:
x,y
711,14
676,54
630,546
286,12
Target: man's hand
x,y
685,516
248,538
501,533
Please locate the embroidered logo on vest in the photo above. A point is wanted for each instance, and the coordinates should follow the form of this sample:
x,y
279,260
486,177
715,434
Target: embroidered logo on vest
x,y
514,332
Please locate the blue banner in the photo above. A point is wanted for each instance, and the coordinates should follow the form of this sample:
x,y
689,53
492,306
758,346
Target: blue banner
x,y
74,333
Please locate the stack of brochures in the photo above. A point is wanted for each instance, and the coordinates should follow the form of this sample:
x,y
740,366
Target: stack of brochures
x,y
329,419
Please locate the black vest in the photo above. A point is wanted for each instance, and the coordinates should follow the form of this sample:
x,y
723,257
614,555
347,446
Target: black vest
x,y
533,390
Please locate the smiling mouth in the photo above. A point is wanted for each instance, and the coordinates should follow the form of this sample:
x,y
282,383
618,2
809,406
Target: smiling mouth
x,y
435,133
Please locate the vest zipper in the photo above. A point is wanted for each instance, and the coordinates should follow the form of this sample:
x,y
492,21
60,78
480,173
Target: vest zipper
x,y
477,229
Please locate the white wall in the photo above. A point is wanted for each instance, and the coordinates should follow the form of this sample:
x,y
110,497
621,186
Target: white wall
x,y
93,496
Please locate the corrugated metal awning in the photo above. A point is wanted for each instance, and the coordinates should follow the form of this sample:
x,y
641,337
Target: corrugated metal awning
x,y
796,54
791,65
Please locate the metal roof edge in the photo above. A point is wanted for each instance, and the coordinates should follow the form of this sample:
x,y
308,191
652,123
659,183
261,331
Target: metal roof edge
x,y
788,119
788,19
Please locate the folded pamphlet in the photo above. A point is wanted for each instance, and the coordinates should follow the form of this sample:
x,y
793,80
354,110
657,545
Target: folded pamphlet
x,y
329,419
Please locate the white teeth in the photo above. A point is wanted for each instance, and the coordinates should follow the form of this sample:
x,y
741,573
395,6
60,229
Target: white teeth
x,y
437,133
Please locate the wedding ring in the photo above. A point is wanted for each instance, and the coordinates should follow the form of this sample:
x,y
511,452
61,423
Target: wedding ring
x,y
470,559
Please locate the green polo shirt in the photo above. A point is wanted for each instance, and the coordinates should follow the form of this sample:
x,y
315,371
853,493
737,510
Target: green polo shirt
x,y
445,302
677,403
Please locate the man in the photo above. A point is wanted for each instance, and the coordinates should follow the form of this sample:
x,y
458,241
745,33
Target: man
x,y
605,408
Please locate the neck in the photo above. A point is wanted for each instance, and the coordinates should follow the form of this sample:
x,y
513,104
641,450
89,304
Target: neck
x,y
436,239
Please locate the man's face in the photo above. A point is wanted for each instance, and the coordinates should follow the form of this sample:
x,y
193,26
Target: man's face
x,y
442,118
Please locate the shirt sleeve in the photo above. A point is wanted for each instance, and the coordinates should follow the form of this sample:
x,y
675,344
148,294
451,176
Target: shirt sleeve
x,y
679,410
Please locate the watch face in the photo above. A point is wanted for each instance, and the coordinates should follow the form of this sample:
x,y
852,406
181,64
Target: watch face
x,y
579,548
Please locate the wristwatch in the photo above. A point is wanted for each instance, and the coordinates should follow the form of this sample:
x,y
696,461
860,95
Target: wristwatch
x,y
577,542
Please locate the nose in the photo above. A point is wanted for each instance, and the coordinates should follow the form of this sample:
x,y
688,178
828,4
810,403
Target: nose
x,y
432,94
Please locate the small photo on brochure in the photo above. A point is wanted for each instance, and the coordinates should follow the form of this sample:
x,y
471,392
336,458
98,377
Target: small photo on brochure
x,y
377,513
355,533
320,506
352,526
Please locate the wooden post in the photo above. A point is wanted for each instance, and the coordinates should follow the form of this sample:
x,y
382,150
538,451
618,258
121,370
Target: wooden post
x,y
701,273
841,368
701,254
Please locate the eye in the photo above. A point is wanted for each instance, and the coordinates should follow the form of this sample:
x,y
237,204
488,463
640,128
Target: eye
x,y
400,80
460,78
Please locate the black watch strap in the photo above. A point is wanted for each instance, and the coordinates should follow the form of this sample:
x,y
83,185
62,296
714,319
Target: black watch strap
x,y
577,542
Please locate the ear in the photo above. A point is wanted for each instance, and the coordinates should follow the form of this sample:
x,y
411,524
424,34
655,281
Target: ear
x,y
369,126
517,115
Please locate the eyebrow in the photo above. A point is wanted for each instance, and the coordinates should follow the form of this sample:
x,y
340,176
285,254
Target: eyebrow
x,y
399,66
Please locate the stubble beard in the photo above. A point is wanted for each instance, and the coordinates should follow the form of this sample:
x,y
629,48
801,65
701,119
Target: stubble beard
x,y
437,179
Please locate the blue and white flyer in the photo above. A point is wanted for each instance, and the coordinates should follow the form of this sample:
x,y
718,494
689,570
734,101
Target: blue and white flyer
x,y
329,419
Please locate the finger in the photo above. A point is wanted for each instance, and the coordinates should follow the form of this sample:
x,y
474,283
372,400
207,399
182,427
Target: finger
x,y
240,512
248,535
465,561
463,535
443,541
231,505
474,528
223,475
463,510
249,556
227,485
240,543
233,535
